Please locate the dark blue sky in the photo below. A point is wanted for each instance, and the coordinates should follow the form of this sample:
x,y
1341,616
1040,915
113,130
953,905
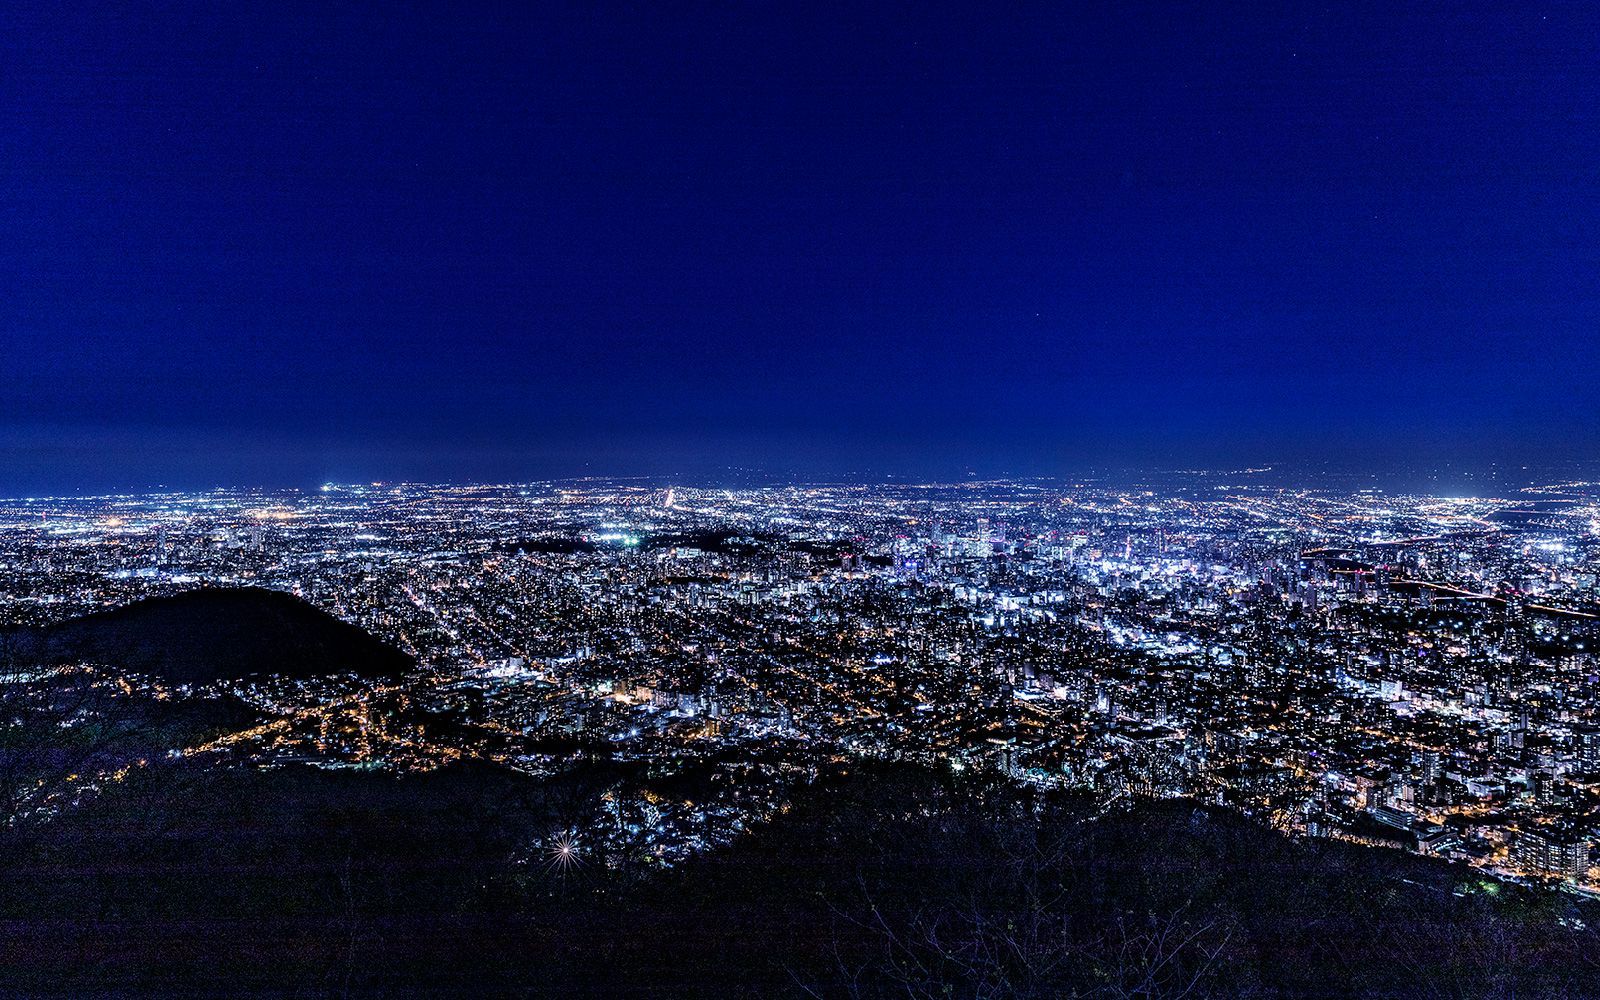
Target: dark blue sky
x,y
474,241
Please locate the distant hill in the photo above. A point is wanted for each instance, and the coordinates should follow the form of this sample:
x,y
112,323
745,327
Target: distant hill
x,y
221,634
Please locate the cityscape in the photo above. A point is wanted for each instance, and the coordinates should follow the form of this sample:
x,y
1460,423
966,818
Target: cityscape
x,y
1398,670
618,501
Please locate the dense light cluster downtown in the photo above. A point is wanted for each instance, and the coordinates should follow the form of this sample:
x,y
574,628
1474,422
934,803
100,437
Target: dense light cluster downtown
x,y
1410,671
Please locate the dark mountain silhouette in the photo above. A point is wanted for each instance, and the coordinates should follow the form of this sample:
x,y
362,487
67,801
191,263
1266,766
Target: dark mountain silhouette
x,y
888,881
220,634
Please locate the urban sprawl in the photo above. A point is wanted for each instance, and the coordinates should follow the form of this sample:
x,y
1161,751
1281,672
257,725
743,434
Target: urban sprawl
x,y
1410,671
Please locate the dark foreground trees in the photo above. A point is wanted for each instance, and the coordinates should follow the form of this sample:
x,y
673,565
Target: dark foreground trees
x,y
884,882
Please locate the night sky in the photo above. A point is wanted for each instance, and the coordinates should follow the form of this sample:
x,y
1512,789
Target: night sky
x,y
469,242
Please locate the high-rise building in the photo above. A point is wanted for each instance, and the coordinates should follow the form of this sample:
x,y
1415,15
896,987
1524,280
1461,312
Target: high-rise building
x,y
1551,851
1586,746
